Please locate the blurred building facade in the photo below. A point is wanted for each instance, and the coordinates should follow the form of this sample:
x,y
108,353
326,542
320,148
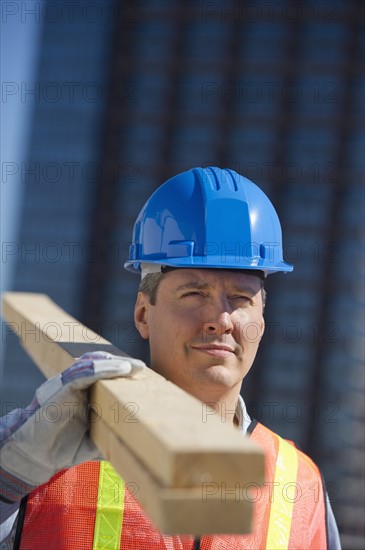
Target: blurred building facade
x,y
131,93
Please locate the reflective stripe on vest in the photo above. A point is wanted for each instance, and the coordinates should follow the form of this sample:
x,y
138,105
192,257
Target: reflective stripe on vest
x,y
109,509
86,508
283,497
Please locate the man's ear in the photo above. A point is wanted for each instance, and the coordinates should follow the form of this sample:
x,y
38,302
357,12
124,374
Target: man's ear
x,y
141,310
262,327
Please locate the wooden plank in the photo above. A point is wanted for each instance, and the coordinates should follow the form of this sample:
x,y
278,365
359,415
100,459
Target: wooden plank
x,y
172,434
208,509
40,324
168,429
165,429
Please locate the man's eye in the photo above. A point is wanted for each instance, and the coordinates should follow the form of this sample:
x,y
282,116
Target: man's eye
x,y
241,298
193,293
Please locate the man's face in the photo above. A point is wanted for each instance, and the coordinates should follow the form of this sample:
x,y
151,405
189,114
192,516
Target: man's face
x,y
204,329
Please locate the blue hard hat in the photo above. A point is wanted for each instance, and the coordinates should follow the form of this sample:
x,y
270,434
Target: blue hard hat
x,y
208,218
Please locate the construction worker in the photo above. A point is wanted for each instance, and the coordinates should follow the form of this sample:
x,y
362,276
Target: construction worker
x,y
203,243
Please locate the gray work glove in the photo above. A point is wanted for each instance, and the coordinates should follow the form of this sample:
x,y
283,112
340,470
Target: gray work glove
x,y
52,432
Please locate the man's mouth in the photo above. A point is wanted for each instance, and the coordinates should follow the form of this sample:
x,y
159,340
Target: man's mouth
x,y
216,350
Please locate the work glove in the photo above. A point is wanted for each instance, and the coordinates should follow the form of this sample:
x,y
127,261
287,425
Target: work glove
x,y
52,432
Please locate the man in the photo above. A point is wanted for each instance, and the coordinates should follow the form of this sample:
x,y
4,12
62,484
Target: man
x,y
204,243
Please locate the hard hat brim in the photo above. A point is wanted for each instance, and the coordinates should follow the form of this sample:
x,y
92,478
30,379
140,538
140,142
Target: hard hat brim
x,y
214,262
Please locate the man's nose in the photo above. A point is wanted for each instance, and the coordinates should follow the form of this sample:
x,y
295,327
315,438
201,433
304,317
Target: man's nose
x,y
222,324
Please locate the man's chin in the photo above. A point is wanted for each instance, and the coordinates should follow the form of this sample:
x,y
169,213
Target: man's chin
x,y
217,377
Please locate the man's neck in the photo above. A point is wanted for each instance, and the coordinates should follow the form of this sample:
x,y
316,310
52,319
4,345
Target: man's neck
x,y
223,405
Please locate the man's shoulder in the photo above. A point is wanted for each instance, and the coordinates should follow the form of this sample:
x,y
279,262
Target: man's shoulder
x,y
271,442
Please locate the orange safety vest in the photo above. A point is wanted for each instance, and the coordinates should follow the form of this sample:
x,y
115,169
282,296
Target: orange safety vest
x,y
87,507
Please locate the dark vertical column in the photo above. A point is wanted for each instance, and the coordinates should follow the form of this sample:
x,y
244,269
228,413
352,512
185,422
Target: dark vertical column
x,y
284,122
234,70
179,19
329,283
103,215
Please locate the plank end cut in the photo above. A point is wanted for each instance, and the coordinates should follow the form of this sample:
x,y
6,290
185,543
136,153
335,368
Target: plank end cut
x,y
209,509
171,434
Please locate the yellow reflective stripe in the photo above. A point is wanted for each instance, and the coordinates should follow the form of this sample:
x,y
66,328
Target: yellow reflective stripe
x,y
284,495
109,509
